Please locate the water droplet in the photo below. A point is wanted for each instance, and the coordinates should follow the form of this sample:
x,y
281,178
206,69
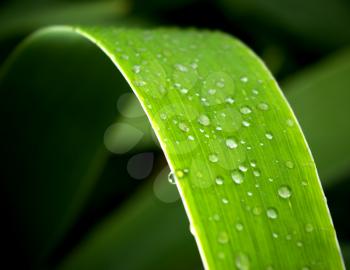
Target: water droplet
x,y
256,173
309,227
243,168
231,143
230,100
204,120
269,136
305,268
237,177
255,92
245,123
242,261
190,137
249,193
213,158
219,181
271,213
257,210
299,244
220,84
136,69
263,106
245,110
289,164
288,237
184,91
221,255
179,174
274,235
172,178
212,91
290,122
253,163
223,238
239,227
244,79
284,192
225,201
181,68
184,127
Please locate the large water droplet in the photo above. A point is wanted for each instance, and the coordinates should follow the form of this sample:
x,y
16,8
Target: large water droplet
x,y
237,177
272,213
204,120
231,143
242,261
284,192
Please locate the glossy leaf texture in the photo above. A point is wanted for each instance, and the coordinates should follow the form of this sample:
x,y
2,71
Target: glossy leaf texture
x,y
244,171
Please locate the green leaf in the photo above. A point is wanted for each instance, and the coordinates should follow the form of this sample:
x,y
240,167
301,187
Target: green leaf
x,y
244,171
319,96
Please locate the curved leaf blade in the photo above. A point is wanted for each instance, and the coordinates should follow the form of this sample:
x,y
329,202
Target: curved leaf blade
x,y
219,114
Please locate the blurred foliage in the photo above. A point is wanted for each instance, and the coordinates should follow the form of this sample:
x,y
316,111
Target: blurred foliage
x,y
81,198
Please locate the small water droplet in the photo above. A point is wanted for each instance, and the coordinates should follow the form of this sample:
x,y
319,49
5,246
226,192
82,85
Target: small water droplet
x,y
245,123
192,230
184,91
243,168
242,261
231,143
245,110
284,192
237,177
223,238
270,179
172,178
136,69
204,120
179,173
213,158
309,227
269,136
299,244
263,106
181,68
305,268
289,164
288,237
184,127
274,235
249,193
190,137
212,91
271,213
257,210
225,201
221,255
256,173
244,79
253,163
230,100
290,122
255,92
220,84
219,181
239,226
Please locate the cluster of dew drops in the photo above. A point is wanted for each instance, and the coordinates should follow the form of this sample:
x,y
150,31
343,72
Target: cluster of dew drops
x,y
237,176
